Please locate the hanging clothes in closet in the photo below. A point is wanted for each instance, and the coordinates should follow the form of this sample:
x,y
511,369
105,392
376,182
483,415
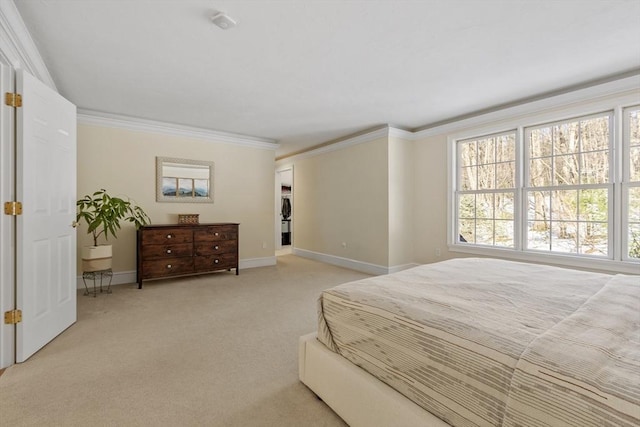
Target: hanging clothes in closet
x,y
286,208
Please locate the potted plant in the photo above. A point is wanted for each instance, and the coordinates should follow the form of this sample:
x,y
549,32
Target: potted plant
x,y
103,214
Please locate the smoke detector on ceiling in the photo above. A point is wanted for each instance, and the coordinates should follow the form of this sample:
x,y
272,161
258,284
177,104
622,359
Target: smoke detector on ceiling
x,y
223,20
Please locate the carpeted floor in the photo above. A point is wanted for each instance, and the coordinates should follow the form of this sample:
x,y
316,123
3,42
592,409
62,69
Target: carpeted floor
x,y
215,350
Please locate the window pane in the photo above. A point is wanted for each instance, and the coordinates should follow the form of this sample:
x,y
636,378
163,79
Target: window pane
x,y
484,206
538,235
484,232
566,138
540,172
594,168
467,206
486,177
595,133
564,205
504,204
634,241
467,153
593,205
467,229
593,238
506,148
634,163
634,204
539,203
504,233
566,170
540,143
633,236
634,125
564,237
468,178
506,175
486,151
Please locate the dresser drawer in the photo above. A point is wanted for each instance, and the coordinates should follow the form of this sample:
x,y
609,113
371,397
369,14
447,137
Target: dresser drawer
x,y
211,234
216,247
167,236
166,267
168,251
215,262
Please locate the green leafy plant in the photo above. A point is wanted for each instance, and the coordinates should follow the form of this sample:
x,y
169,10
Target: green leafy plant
x,y
103,214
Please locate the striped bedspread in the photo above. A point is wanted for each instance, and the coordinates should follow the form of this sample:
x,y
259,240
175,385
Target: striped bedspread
x,y
485,342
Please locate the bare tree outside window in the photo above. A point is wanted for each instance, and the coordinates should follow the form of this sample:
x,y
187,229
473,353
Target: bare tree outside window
x,y
486,190
555,182
569,162
632,124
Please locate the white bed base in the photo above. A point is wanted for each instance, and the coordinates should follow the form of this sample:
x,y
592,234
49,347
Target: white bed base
x,y
356,396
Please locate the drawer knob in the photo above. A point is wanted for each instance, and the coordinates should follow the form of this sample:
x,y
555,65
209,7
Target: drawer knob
x,y
216,247
169,236
168,251
216,233
168,265
216,261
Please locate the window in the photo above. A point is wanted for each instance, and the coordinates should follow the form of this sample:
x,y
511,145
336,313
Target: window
x,y
565,188
486,192
631,182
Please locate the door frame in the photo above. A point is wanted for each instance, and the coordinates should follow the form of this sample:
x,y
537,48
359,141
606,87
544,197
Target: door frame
x,y
7,222
278,206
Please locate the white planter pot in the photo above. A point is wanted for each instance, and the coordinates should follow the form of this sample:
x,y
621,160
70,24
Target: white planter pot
x,y
95,258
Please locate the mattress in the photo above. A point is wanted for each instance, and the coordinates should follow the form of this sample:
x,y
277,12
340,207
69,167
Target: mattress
x,y
490,342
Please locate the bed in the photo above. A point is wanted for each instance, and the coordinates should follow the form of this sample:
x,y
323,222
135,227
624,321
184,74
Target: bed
x,y
479,342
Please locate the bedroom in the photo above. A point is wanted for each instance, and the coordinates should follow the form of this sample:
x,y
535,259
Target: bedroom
x,y
386,220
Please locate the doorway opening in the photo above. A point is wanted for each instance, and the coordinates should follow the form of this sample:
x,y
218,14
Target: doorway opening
x,y
284,211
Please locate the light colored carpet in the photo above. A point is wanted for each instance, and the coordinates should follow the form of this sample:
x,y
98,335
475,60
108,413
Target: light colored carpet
x,y
215,350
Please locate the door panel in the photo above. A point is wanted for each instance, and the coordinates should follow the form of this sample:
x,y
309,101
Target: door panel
x,y
46,239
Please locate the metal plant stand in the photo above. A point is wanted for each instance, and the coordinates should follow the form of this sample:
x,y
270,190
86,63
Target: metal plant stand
x,y
95,276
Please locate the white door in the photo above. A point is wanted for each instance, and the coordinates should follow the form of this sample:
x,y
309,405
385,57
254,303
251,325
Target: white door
x,y
45,236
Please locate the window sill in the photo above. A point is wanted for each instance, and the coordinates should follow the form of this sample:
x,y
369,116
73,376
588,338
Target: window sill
x,y
591,264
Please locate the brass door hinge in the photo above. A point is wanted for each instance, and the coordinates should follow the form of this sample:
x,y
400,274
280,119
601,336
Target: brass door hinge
x,y
13,208
12,317
13,99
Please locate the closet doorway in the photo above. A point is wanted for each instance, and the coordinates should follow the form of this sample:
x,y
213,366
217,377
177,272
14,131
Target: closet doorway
x,y
284,211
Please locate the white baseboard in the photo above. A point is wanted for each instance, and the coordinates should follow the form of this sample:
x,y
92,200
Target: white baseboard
x,y
257,262
125,277
365,267
396,268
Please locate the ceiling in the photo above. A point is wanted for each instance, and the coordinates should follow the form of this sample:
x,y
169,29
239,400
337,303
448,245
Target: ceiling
x,y
304,72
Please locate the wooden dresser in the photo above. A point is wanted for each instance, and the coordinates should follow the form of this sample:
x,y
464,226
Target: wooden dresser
x,y
185,249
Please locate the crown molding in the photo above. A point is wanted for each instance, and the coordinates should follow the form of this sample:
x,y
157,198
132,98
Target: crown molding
x,y
368,136
96,118
395,132
18,46
612,88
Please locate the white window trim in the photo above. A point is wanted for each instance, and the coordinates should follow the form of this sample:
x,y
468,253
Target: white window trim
x,y
623,193
590,102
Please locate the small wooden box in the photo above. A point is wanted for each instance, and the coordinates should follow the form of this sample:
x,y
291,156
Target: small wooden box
x,y
188,219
